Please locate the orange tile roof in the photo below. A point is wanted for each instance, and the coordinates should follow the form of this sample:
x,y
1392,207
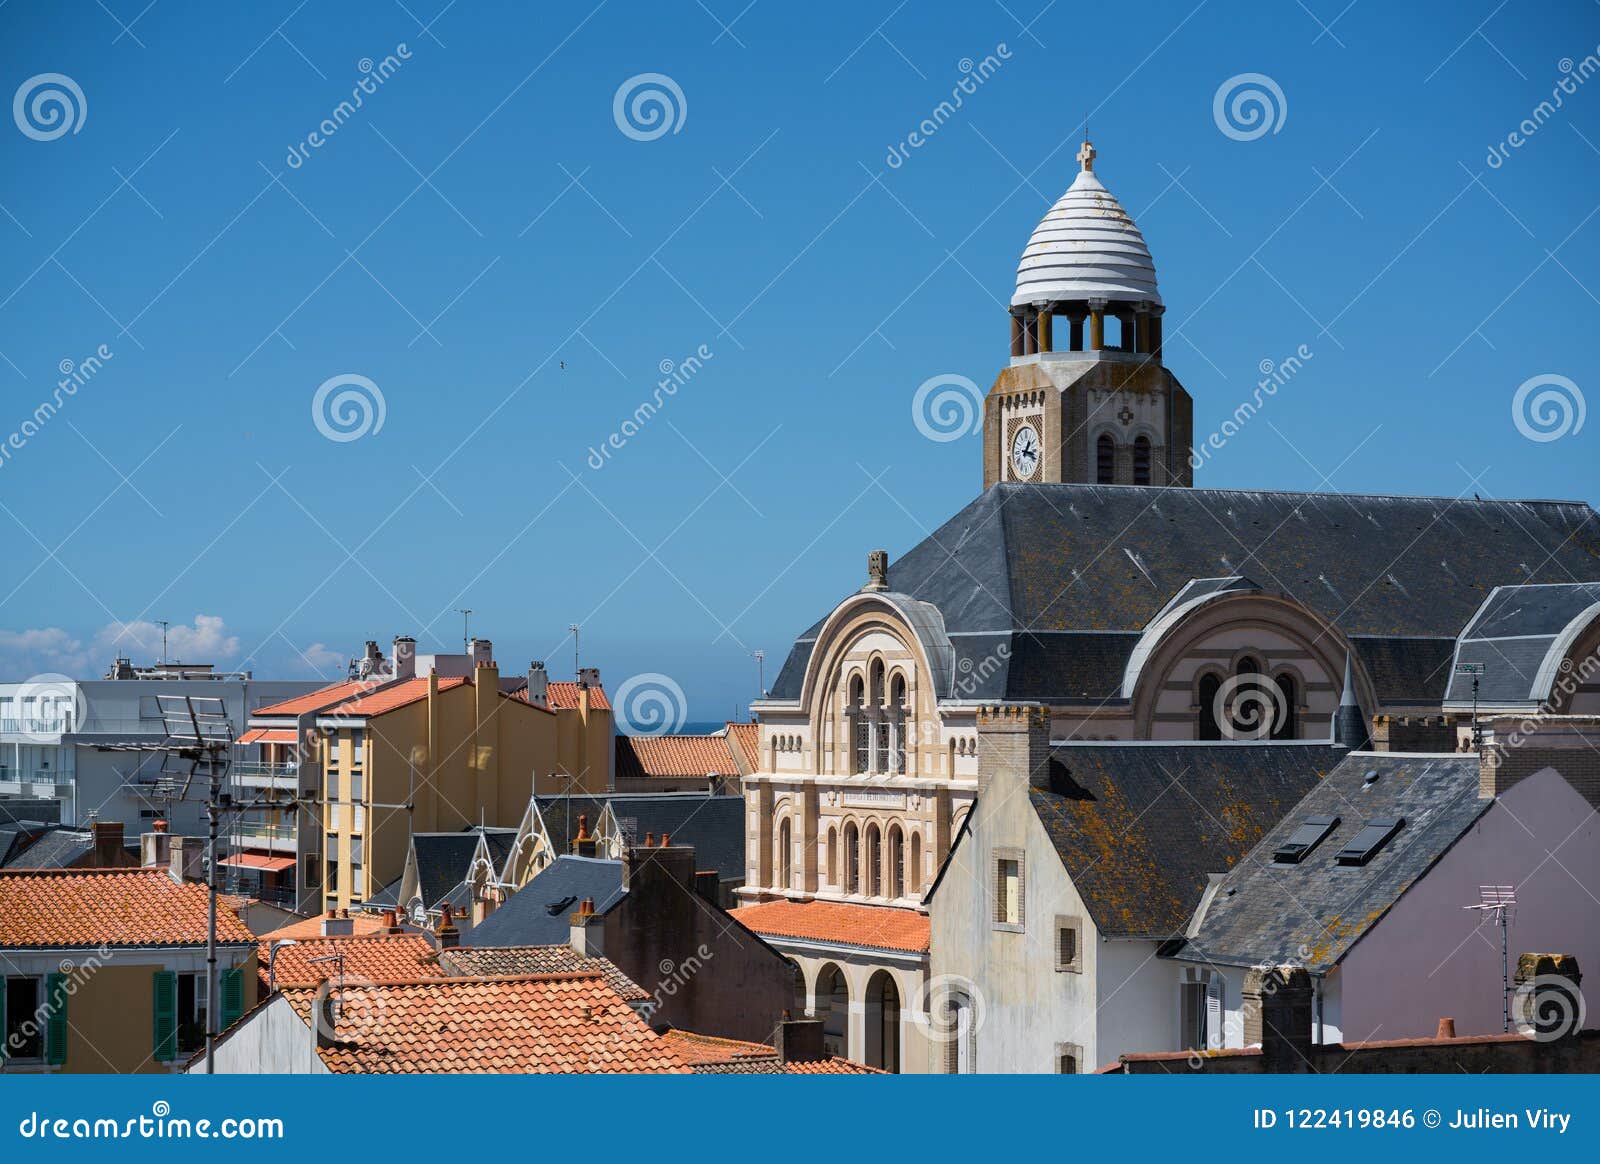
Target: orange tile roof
x,y
874,926
372,957
311,927
322,697
708,1054
401,694
540,1024
268,736
646,757
746,738
565,696
111,907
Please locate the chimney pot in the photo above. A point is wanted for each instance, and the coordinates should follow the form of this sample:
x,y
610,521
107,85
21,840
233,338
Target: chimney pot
x,y
159,826
649,840
1447,1029
665,838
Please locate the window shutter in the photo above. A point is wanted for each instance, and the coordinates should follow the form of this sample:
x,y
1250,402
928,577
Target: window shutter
x,y
999,891
1213,1012
166,1016
232,998
55,1029
1022,890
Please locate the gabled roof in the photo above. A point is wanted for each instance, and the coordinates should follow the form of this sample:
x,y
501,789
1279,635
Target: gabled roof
x,y
560,959
1065,577
708,1055
1139,827
370,957
389,698
542,1024
314,700
713,825
839,923
53,848
683,756
540,913
1312,912
110,907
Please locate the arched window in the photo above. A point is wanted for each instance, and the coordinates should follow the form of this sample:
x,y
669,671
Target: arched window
x,y
785,855
874,861
897,862
1105,460
1209,727
878,760
1284,727
1141,460
852,859
897,725
860,730
915,878
833,856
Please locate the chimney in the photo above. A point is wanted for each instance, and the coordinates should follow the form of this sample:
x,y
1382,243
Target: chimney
x,y
391,923
588,676
1278,1015
1547,1004
155,846
449,937
708,885
405,657
108,850
538,684
1013,747
482,651
587,930
187,861
799,1040
1447,1029
335,926
583,844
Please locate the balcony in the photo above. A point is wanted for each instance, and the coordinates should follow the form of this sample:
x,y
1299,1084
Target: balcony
x,y
258,835
36,727
256,774
43,783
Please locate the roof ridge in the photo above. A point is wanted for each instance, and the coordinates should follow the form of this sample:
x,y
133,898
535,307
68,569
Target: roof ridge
x,y
479,979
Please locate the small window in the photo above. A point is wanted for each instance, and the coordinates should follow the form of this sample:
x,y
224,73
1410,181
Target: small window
x,y
1105,460
24,1033
1008,890
1069,1057
1311,833
1209,726
1069,945
1374,835
1141,460
191,1012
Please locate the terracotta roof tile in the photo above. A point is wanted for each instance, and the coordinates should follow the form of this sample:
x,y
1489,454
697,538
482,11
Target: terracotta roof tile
x,y
401,694
873,926
112,907
709,1055
312,700
565,696
370,956
501,960
644,757
311,927
540,1024
746,739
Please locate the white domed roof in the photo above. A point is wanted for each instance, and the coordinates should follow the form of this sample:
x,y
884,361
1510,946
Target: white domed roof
x,y
1086,247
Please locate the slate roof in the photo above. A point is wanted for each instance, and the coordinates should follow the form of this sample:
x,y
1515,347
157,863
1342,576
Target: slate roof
x,y
111,907
539,914
445,859
713,825
1066,576
1520,634
45,810
1312,912
1139,827
497,960
541,1024
55,848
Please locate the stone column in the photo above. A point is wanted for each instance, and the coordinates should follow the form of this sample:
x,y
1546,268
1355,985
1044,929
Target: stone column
x,y
1097,324
1046,327
1030,335
1142,340
1075,316
1016,335
1156,312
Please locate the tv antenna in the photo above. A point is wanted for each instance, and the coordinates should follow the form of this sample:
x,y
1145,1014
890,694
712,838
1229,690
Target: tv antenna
x,y
573,627
761,672
1499,903
466,628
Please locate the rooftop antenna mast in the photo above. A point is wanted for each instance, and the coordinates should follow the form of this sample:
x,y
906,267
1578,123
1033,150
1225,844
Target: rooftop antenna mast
x,y
761,672
197,751
164,624
1499,902
1477,671
573,627
466,628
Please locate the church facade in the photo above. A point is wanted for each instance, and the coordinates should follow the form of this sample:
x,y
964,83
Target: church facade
x,y
1093,590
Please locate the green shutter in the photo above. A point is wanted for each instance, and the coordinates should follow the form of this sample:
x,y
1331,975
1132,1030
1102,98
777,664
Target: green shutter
x,y
55,1024
166,1015
232,998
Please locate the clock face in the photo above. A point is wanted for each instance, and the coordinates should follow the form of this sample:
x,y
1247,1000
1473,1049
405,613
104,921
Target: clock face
x,y
1025,453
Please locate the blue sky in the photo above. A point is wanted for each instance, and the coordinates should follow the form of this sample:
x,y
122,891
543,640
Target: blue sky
x,y
484,244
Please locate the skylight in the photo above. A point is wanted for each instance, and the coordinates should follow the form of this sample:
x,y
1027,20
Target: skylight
x,y
1308,836
1374,835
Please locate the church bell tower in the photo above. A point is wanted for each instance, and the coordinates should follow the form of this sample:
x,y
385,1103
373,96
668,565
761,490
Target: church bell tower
x,y
1085,397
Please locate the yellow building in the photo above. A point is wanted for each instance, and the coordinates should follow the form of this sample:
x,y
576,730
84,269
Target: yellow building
x,y
104,970
440,753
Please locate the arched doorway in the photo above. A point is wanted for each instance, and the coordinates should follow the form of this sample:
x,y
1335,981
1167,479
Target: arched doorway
x,y
833,1008
883,1022
801,1009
